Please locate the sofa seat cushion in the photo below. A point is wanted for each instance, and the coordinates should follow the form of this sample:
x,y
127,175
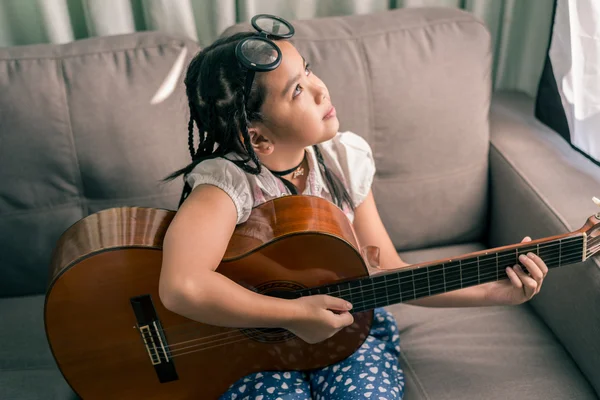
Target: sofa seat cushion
x,y
482,352
27,368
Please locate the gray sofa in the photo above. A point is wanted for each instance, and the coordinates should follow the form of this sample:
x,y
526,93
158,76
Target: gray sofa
x,y
459,170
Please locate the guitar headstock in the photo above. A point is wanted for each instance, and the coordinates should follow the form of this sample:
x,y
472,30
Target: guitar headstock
x,y
592,230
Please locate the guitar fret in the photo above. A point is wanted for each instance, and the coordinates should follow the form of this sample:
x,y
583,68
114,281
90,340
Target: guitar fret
x,y
367,290
444,275
362,294
400,287
405,285
470,273
385,284
497,268
378,281
452,275
487,263
436,279
412,273
428,282
559,251
349,291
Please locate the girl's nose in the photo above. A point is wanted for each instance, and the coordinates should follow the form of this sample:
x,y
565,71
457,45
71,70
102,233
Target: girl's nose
x,y
320,94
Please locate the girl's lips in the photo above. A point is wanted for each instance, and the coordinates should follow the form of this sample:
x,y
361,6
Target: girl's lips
x,y
330,114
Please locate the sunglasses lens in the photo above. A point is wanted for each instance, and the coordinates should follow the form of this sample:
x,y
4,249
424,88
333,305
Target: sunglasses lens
x,y
259,52
272,26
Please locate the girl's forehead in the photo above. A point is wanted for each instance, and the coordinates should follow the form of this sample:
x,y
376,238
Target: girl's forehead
x,y
287,49
292,63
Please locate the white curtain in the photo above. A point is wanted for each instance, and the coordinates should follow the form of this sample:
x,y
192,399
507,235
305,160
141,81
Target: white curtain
x,y
575,57
519,28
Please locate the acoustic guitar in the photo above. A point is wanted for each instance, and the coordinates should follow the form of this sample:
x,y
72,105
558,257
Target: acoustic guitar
x,y
113,339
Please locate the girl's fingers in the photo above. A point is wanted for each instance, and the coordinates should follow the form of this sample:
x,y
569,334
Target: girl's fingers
x,y
539,262
530,276
512,275
531,265
335,303
529,284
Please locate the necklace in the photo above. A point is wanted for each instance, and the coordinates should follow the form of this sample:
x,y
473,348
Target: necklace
x,y
297,170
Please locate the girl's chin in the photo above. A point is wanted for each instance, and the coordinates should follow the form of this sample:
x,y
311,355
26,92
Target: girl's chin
x,y
333,127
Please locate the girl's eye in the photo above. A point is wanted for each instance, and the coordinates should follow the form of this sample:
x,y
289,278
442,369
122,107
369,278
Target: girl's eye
x,y
297,91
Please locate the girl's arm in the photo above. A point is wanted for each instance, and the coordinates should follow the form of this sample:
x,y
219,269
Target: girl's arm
x,y
371,231
193,248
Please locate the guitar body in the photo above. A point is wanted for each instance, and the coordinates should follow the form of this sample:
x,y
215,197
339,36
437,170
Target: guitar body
x,y
102,305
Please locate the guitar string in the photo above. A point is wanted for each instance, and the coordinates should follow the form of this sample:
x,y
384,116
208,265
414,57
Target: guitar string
x,y
363,304
372,301
228,335
368,304
423,273
239,337
235,335
466,265
417,279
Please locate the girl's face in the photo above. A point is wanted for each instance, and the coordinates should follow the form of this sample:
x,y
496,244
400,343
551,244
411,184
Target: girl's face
x,y
297,110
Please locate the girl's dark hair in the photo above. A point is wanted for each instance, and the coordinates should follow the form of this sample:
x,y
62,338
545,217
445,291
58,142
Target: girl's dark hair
x,y
214,85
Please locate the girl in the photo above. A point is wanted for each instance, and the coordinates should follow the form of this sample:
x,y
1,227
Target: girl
x,y
268,128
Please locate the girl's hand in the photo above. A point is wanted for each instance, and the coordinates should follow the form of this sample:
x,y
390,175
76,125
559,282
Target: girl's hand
x,y
520,287
320,317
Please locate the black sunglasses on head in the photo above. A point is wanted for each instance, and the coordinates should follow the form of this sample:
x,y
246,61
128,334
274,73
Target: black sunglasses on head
x,y
259,52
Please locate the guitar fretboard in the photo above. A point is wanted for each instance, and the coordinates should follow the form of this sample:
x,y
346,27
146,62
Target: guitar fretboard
x,y
397,287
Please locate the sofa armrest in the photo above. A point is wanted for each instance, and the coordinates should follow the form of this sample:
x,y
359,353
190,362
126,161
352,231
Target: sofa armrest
x,y
540,186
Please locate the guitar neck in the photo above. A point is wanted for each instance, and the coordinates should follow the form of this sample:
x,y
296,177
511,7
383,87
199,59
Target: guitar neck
x,y
451,274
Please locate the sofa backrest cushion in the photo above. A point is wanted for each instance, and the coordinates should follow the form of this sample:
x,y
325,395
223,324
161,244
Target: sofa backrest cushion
x,y
78,134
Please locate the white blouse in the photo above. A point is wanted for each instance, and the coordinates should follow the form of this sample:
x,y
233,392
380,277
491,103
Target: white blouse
x,y
347,155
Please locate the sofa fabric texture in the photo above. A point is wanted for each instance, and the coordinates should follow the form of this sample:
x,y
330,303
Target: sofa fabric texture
x,y
459,169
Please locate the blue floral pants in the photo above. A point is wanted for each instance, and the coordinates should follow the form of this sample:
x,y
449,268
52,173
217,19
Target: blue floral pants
x,y
372,372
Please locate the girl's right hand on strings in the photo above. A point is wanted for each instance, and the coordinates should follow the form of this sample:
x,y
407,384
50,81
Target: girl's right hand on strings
x,y
320,317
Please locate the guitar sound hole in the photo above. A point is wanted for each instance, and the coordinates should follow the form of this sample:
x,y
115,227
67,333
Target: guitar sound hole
x,y
281,289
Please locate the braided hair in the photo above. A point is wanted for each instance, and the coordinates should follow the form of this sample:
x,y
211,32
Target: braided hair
x,y
219,109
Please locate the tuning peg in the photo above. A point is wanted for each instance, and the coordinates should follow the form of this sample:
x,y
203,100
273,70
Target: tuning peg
x,y
597,201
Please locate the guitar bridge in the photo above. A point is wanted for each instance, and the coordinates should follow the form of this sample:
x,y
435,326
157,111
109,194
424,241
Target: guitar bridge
x,y
150,338
153,338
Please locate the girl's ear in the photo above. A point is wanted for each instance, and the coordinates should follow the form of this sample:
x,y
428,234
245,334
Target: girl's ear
x,y
260,143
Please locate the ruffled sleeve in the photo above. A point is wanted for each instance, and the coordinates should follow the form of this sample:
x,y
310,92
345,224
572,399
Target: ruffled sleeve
x,y
353,155
228,177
